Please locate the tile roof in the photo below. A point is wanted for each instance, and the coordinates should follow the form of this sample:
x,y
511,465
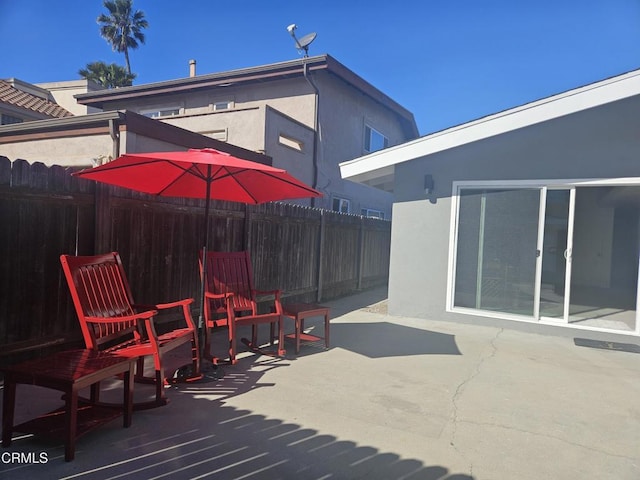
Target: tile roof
x,y
13,96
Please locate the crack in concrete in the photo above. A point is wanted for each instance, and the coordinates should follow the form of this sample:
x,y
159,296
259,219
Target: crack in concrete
x,y
457,394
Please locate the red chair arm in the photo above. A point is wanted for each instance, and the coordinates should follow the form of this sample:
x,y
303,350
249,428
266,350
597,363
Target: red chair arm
x,y
163,306
217,296
126,318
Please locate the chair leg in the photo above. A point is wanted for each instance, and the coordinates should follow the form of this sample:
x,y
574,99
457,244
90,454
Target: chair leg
x,y
139,369
160,399
195,355
232,343
281,351
94,395
254,335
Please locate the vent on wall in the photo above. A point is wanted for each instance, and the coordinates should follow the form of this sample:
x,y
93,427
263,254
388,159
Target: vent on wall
x,y
291,142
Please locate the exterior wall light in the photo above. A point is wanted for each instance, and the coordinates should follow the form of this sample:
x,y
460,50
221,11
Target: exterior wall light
x,y
428,184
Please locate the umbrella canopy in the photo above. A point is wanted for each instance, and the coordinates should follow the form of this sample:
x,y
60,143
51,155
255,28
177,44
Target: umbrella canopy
x,y
205,173
200,173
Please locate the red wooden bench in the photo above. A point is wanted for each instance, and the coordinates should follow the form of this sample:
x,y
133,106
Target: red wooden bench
x,y
111,321
232,300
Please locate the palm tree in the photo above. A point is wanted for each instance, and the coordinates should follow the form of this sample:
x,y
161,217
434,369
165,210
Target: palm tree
x,y
122,27
107,75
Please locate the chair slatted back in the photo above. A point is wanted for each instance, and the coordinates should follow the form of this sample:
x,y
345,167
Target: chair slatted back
x,y
99,288
231,272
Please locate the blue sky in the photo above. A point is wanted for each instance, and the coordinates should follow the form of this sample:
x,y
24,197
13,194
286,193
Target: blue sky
x,y
447,61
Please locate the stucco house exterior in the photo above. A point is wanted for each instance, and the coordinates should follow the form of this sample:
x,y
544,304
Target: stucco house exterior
x,y
528,218
92,139
307,114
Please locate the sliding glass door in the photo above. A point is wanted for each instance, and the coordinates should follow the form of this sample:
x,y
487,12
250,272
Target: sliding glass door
x,y
555,253
566,255
496,250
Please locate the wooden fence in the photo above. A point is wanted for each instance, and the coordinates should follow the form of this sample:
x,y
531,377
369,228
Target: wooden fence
x,y
310,254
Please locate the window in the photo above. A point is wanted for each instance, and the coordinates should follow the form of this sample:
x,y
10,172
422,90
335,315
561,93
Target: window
x,y
161,112
9,119
372,213
374,140
222,105
290,142
341,205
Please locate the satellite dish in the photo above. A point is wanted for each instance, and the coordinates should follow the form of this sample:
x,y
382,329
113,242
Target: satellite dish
x,y
304,42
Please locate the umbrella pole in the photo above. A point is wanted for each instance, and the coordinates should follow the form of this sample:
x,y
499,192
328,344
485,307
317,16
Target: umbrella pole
x,y
202,328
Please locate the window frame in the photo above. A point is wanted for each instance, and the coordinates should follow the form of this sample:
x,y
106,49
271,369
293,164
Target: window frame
x,y
366,212
216,105
341,201
369,134
149,112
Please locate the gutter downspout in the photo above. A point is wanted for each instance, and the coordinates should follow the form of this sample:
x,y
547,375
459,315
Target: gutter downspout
x,y
115,138
315,128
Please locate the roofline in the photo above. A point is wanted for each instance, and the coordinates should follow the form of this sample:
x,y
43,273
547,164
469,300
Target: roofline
x,y
589,96
125,120
61,123
261,73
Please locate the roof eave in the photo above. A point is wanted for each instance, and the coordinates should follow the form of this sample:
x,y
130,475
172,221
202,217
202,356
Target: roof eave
x,y
365,169
288,69
221,79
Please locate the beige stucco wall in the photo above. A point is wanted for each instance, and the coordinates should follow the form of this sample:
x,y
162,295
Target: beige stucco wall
x,y
82,151
63,93
296,160
67,151
343,113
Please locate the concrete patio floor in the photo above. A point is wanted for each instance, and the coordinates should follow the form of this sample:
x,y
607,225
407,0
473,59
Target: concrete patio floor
x,y
393,398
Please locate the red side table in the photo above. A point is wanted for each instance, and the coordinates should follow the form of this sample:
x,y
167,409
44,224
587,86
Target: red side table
x,y
298,312
69,371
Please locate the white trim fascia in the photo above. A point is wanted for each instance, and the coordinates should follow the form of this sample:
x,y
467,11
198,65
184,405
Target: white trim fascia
x,y
572,101
553,182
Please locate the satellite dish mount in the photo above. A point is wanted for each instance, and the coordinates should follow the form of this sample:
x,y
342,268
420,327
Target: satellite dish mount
x,y
303,43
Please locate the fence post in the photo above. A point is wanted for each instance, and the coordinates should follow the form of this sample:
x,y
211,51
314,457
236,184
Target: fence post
x,y
102,228
323,224
247,227
360,256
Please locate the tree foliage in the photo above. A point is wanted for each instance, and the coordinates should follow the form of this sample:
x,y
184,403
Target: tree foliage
x,y
108,75
122,27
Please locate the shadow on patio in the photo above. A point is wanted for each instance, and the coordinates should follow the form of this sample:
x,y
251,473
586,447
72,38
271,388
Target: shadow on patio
x,y
383,339
198,436
223,429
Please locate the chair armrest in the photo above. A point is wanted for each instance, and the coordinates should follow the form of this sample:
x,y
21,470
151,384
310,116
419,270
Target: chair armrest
x,y
186,311
217,296
163,306
126,318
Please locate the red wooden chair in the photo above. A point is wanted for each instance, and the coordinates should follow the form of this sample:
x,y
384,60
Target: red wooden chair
x,y
111,321
231,300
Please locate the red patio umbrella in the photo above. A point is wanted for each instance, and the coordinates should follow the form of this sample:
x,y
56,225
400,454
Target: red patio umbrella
x,y
200,173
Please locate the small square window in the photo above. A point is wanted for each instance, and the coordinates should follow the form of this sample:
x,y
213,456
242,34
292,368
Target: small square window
x,y
161,112
372,213
341,205
374,140
222,105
